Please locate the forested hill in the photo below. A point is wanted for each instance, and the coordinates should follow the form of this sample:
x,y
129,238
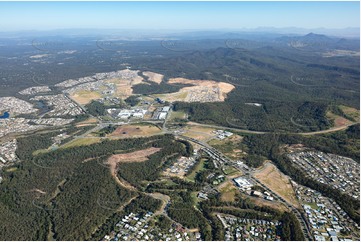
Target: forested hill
x,y
286,81
317,77
68,193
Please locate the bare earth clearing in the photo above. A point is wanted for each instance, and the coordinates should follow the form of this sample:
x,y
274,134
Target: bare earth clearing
x,y
136,156
154,77
277,182
353,112
123,87
201,91
338,120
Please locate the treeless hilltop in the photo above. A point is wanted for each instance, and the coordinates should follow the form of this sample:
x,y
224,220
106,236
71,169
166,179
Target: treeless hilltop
x,y
154,77
200,91
136,156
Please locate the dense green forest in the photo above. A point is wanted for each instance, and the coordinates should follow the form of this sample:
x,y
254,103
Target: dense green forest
x,y
272,116
153,88
294,90
132,100
96,108
67,193
135,172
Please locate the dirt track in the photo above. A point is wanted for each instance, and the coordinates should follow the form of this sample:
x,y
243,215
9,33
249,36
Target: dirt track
x,y
136,156
334,129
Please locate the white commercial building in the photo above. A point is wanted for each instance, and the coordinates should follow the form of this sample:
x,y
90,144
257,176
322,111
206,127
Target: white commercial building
x,y
243,183
162,115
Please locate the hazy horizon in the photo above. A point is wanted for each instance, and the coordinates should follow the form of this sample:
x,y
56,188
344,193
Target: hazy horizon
x,y
340,32
45,16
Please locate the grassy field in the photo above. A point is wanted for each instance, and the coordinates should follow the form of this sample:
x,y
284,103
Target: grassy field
x,y
195,199
11,169
84,96
89,121
165,181
80,142
37,152
175,96
337,120
277,181
199,167
229,146
228,191
313,205
177,115
136,130
229,170
200,133
352,112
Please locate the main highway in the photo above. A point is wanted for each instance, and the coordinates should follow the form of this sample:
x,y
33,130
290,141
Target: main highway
x,y
220,159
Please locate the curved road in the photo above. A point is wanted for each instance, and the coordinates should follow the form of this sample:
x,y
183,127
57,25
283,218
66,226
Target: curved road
x,y
330,130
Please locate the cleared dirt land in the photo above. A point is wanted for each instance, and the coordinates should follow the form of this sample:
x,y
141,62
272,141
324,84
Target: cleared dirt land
x,y
123,87
126,131
154,77
338,120
201,91
136,156
277,182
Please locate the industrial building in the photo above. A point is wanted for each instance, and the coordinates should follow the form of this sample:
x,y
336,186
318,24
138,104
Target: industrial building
x,y
243,183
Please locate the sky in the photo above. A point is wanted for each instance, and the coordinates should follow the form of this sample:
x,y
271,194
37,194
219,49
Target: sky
x,y
15,16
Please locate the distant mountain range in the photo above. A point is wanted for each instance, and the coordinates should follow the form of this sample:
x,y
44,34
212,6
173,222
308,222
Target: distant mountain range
x,y
319,42
149,34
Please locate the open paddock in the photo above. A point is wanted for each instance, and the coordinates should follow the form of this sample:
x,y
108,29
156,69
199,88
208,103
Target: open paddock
x,y
277,182
129,131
